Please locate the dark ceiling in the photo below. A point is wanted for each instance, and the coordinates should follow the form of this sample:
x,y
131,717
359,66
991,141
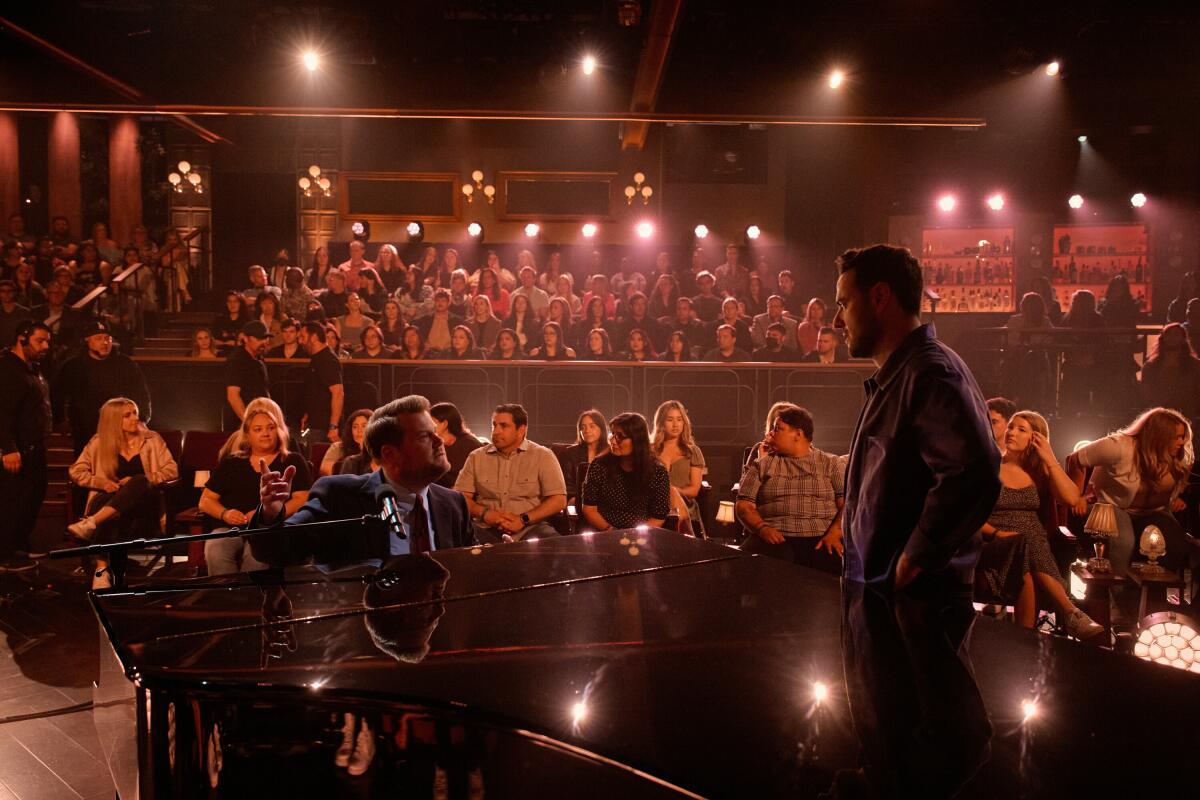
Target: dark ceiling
x,y
1125,64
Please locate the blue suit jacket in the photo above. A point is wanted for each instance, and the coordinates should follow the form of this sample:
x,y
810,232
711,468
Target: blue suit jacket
x,y
351,497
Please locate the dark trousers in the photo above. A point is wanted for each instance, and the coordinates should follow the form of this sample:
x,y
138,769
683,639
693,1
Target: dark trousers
x,y
22,496
917,711
136,503
800,550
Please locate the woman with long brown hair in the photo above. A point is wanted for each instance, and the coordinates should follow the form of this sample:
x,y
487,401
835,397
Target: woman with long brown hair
x,y
231,494
1031,481
591,442
122,465
627,486
672,444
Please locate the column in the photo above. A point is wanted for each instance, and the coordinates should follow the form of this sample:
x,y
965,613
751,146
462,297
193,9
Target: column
x,y
64,188
124,178
10,170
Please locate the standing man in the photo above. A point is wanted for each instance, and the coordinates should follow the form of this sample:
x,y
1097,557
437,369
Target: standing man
x,y
89,380
512,485
246,374
921,480
24,421
324,393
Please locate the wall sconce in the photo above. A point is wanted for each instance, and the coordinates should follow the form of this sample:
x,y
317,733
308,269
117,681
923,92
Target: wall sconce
x,y
638,186
468,189
314,181
185,178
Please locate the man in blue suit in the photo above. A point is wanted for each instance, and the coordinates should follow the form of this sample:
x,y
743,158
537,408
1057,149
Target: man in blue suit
x,y
403,438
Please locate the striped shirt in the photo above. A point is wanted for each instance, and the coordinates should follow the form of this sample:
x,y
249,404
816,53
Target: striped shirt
x,y
798,496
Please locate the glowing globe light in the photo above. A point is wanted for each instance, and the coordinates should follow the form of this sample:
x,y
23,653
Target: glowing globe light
x,y
947,202
836,79
588,230
996,202
1138,200
1075,201
413,229
645,229
753,231
701,231
311,60
532,229
475,230
1052,68
820,692
589,64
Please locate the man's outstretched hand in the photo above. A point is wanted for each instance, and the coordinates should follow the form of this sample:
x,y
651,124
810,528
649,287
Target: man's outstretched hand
x,y
274,489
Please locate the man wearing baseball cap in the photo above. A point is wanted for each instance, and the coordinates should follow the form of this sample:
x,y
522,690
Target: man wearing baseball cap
x,y
246,374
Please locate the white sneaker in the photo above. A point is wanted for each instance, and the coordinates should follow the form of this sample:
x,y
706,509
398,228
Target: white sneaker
x,y
347,746
1082,627
364,751
83,528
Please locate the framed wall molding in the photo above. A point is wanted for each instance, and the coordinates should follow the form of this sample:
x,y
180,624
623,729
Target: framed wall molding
x,y
394,196
556,196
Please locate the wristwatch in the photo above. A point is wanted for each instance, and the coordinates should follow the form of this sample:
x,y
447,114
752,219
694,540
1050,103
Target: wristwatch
x,y
524,519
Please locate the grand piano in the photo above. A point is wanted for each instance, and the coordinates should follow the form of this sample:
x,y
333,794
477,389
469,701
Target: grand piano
x,y
635,663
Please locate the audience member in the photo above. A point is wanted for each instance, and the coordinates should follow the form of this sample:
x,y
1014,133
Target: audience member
x,y
229,323
523,322
354,265
460,293
391,323
594,316
773,315
1026,366
372,291
267,311
26,291
390,269
1171,376
810,327
317,278
558,311
596,347
1191,324
351,324
415,296
489,285
436,327
679,349
664,296
60,231
12,314
1118,307
1000,411
512,486
412,345
445,275
351,439
174,268
548,279
754,302
732,279
462,346
231,494
705,303
24,423
627,486
727,349
12,258
333,340
1031,480
246,374
108,248
792,302
627,279
564,287
774,350
259,284
1041,285
17,234
290,346
324,393
731,317
371,344
147,248
553,347
333,300
638,347
1083,364
202,345
277,274
122,465
672,444
538,299
591,442
829,349
44,261
483,324
457,438
56,315
296,295
1189,290
638,318
599,288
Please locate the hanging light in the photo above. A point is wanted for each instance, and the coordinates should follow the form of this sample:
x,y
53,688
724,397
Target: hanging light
x,y
314,171
174,179
646,192
532,230
753,232
701,231
629,193
490,192
415,230
477,176
184,167
469,191
645,229
326,185
194,178
305,184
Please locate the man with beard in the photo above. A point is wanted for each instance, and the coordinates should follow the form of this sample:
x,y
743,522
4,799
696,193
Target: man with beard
x,y
246,373
24,421
923,476
403,438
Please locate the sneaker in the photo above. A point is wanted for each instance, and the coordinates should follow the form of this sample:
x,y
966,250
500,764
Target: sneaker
x,y
1082,627
82,529
364,751
342,758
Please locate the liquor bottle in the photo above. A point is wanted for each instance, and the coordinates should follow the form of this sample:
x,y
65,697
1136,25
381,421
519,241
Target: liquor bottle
x,y
1072,271
1140,270
978,272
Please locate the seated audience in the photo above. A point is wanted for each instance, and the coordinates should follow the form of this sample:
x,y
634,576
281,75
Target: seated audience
x,y
356,319
372,346
462,346
333,299
1031,480
1171,376
790,499
627,486
732,278
391,323
289,346
508,347
591,442
672,444
489,284
436,327
810,327
372,291
548,278
1041,284
483,323
1084,364
11,314
390,269
1189,289
638,318
639,347
333,340
412,345
259,284
558,311
523,322
553,348
232,492
705,303
792,302
317,278
512,486
415,296
349,443
564,288
678,348
627,279
1118,307
726,350
228,325
685,320
538,299
428,267
296,295
731,316
1026,361
774,349
594,316
596,347
202,344
123,466
1000,411
57,315
1141,470
352,266
665,296
27,291
457,438
266,311
829,349
774,315
754,302
599,289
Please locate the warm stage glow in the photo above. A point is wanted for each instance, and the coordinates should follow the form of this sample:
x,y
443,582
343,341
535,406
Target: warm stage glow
x,y
1029,709
1075,201
820,692
645,229
996,202
1082,139
753,231
589,64
947,202
836,79
532,230
578,712
1138,200
1052,68
588,230
311,60
701,231
474,230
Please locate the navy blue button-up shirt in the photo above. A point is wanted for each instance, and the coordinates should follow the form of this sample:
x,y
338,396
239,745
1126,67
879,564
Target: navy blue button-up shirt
x,y
924,468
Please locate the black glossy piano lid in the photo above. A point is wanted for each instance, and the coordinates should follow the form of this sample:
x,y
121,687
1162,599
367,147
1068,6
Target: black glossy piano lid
x,y
693,662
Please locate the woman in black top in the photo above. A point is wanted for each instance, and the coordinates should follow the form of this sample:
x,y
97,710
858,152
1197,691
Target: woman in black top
x,y
596,346
508,347
640,348
371,289
591,442
553,347
462,345
228,325
457,439
628,486
594,316
522,321
319,270
662,299
391,324
412,345
371,339
756,296
678,348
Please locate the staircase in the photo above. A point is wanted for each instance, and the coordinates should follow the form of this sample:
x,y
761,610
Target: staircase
x,y
52,520
174,334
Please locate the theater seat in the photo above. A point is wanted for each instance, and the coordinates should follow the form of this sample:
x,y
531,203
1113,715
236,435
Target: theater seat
x,y
200,454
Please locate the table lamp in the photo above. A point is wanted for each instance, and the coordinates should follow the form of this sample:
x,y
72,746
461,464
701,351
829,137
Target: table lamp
x,y
725,514
1101,525
1152,546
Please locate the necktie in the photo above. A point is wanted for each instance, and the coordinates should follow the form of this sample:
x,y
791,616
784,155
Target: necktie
x,y
418,534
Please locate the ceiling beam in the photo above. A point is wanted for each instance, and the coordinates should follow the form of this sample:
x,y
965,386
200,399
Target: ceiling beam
x,y
664,15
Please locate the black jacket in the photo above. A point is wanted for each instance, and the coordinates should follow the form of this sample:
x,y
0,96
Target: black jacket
x,y
84,384
24,406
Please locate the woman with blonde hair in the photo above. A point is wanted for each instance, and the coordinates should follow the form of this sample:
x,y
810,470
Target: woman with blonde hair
x,y
810,327
1141,470
202,344
231,494
672,444
1031,481
122,465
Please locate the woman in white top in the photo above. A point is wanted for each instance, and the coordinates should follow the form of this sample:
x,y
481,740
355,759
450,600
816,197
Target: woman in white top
x,y
1141,470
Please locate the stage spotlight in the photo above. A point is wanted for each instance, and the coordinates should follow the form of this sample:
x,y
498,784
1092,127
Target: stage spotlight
x,y
753,232
1082,139
996,202
588,230
589,64
578,713
1169,638
836,79
361,229
475,230
1029,709
311,60
947,202
415,231
532,230
701,231
645,229
1052,68
1138,200
1075,201
820,692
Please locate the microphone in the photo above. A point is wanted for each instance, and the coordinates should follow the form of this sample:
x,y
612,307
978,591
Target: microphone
x,y
390,511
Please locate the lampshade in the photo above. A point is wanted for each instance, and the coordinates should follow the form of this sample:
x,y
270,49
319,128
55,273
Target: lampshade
x,y
1102,521
725,513
1152,543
